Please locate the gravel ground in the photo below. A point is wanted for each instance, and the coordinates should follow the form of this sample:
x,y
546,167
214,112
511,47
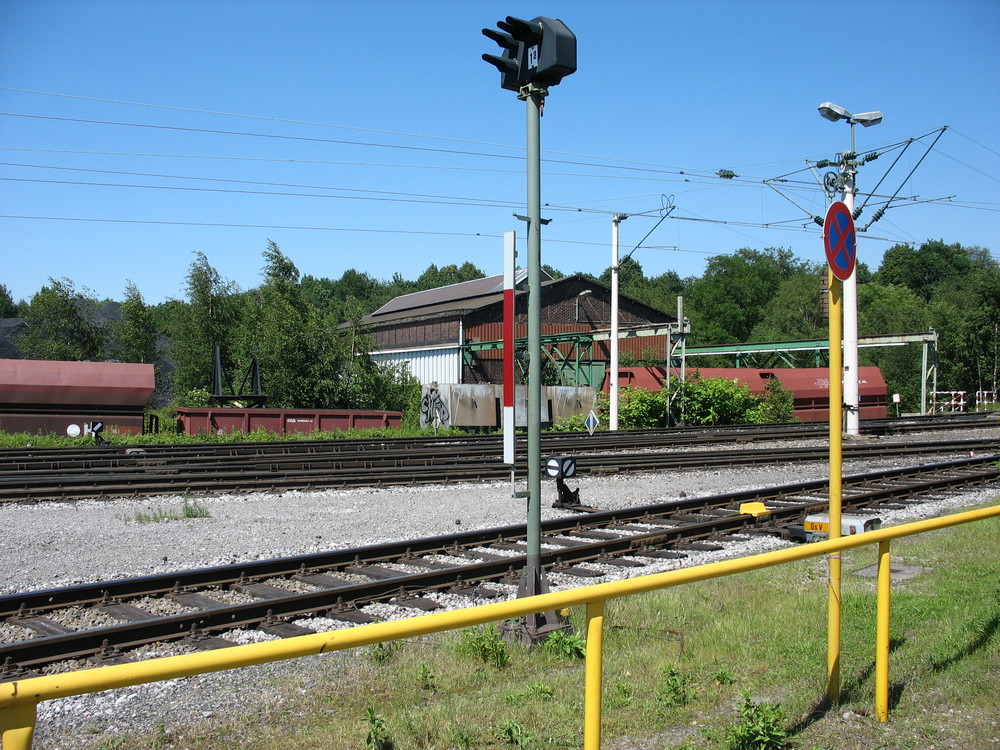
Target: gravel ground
x,y
58,544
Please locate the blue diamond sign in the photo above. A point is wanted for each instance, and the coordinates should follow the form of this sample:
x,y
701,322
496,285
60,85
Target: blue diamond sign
x,y
592,422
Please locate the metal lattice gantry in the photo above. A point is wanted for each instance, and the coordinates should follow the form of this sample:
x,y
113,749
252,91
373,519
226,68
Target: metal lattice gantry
x,y
815,353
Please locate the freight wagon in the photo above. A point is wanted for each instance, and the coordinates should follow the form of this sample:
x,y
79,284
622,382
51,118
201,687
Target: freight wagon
x,y
40,396
220,420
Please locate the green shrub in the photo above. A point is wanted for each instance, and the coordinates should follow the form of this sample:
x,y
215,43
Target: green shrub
x,y
640,409
775,405
486,643
710,401
378,735
564,645
761,726
677,688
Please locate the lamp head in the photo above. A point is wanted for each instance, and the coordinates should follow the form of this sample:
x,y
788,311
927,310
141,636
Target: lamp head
x,y
867,118
832,112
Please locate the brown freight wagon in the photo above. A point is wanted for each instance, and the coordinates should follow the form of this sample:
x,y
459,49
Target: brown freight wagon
x,y
220,420
40,396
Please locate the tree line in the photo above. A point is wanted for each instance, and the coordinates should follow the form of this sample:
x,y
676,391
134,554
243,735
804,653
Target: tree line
x,y
303,330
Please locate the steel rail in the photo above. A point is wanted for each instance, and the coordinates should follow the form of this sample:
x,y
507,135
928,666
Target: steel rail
x,y
320,472
790,502
39,601
22,459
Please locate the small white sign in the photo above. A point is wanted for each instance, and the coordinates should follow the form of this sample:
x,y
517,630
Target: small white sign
x,y
592,422
533,56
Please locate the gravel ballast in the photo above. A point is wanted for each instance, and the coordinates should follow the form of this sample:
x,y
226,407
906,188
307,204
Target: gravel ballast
x,y
59,544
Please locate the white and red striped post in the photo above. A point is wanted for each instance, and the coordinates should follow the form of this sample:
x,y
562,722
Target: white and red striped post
x,y
509,425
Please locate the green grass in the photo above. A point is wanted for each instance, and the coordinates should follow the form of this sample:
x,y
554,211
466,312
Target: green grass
x,y
168,437
190,509
709,665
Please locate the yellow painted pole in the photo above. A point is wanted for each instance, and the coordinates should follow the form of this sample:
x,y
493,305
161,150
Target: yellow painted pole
x,y
594,676
17,725
836,485
882,634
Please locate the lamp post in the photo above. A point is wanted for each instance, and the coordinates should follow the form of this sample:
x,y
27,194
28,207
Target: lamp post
x,y
848,169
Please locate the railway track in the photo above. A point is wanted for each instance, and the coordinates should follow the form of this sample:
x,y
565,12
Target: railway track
x,y
24,459
284,597
35,475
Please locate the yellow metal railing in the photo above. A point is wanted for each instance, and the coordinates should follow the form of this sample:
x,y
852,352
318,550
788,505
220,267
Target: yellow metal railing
x,y
19,699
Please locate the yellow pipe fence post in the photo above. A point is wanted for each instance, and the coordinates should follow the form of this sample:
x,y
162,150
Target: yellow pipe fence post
x,y
594,676
17,726
882,634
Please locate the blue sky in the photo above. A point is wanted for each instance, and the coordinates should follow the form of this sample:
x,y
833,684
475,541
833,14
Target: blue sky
x,y
370,135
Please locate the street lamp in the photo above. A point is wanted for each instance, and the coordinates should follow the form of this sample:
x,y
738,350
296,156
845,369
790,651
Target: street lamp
x,y
848,169
581,295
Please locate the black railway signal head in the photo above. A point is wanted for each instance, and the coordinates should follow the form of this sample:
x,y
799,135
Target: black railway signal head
x,y
541,51
509,63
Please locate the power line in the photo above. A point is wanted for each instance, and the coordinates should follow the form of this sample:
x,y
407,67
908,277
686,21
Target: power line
x,y
463,200
330,125
257,117
248,226
340,163
487,235
187,188
688,175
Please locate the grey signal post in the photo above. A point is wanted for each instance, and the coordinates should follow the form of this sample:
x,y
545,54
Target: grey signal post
x,y
537,54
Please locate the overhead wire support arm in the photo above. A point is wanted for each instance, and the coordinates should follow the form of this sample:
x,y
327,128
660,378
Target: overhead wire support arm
x,y
919,162
666,208
806,211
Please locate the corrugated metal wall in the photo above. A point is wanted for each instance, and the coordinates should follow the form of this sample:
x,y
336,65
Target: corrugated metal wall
x,y
438,365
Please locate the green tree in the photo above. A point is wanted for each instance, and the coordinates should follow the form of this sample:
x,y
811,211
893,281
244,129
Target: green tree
x,y
966,314
921,269
208,318
8,309
135,336
727,302
308,358
794,312
434,277
887,309
283,331
63,324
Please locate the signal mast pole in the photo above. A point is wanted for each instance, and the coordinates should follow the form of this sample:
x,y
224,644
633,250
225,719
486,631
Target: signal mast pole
x,y
536,54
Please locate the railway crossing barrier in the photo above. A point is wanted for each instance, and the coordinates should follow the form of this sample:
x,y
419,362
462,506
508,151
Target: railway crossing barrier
x,y
19,698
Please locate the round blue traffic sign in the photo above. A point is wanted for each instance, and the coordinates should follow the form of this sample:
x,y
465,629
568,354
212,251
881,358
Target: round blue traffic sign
x,y
839,240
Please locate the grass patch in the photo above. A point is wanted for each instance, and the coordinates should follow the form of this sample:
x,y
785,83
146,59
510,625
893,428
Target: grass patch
x,y
738,662
171,437
190,509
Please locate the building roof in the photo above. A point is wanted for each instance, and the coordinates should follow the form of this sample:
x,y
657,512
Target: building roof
x,y
436,304
464,290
